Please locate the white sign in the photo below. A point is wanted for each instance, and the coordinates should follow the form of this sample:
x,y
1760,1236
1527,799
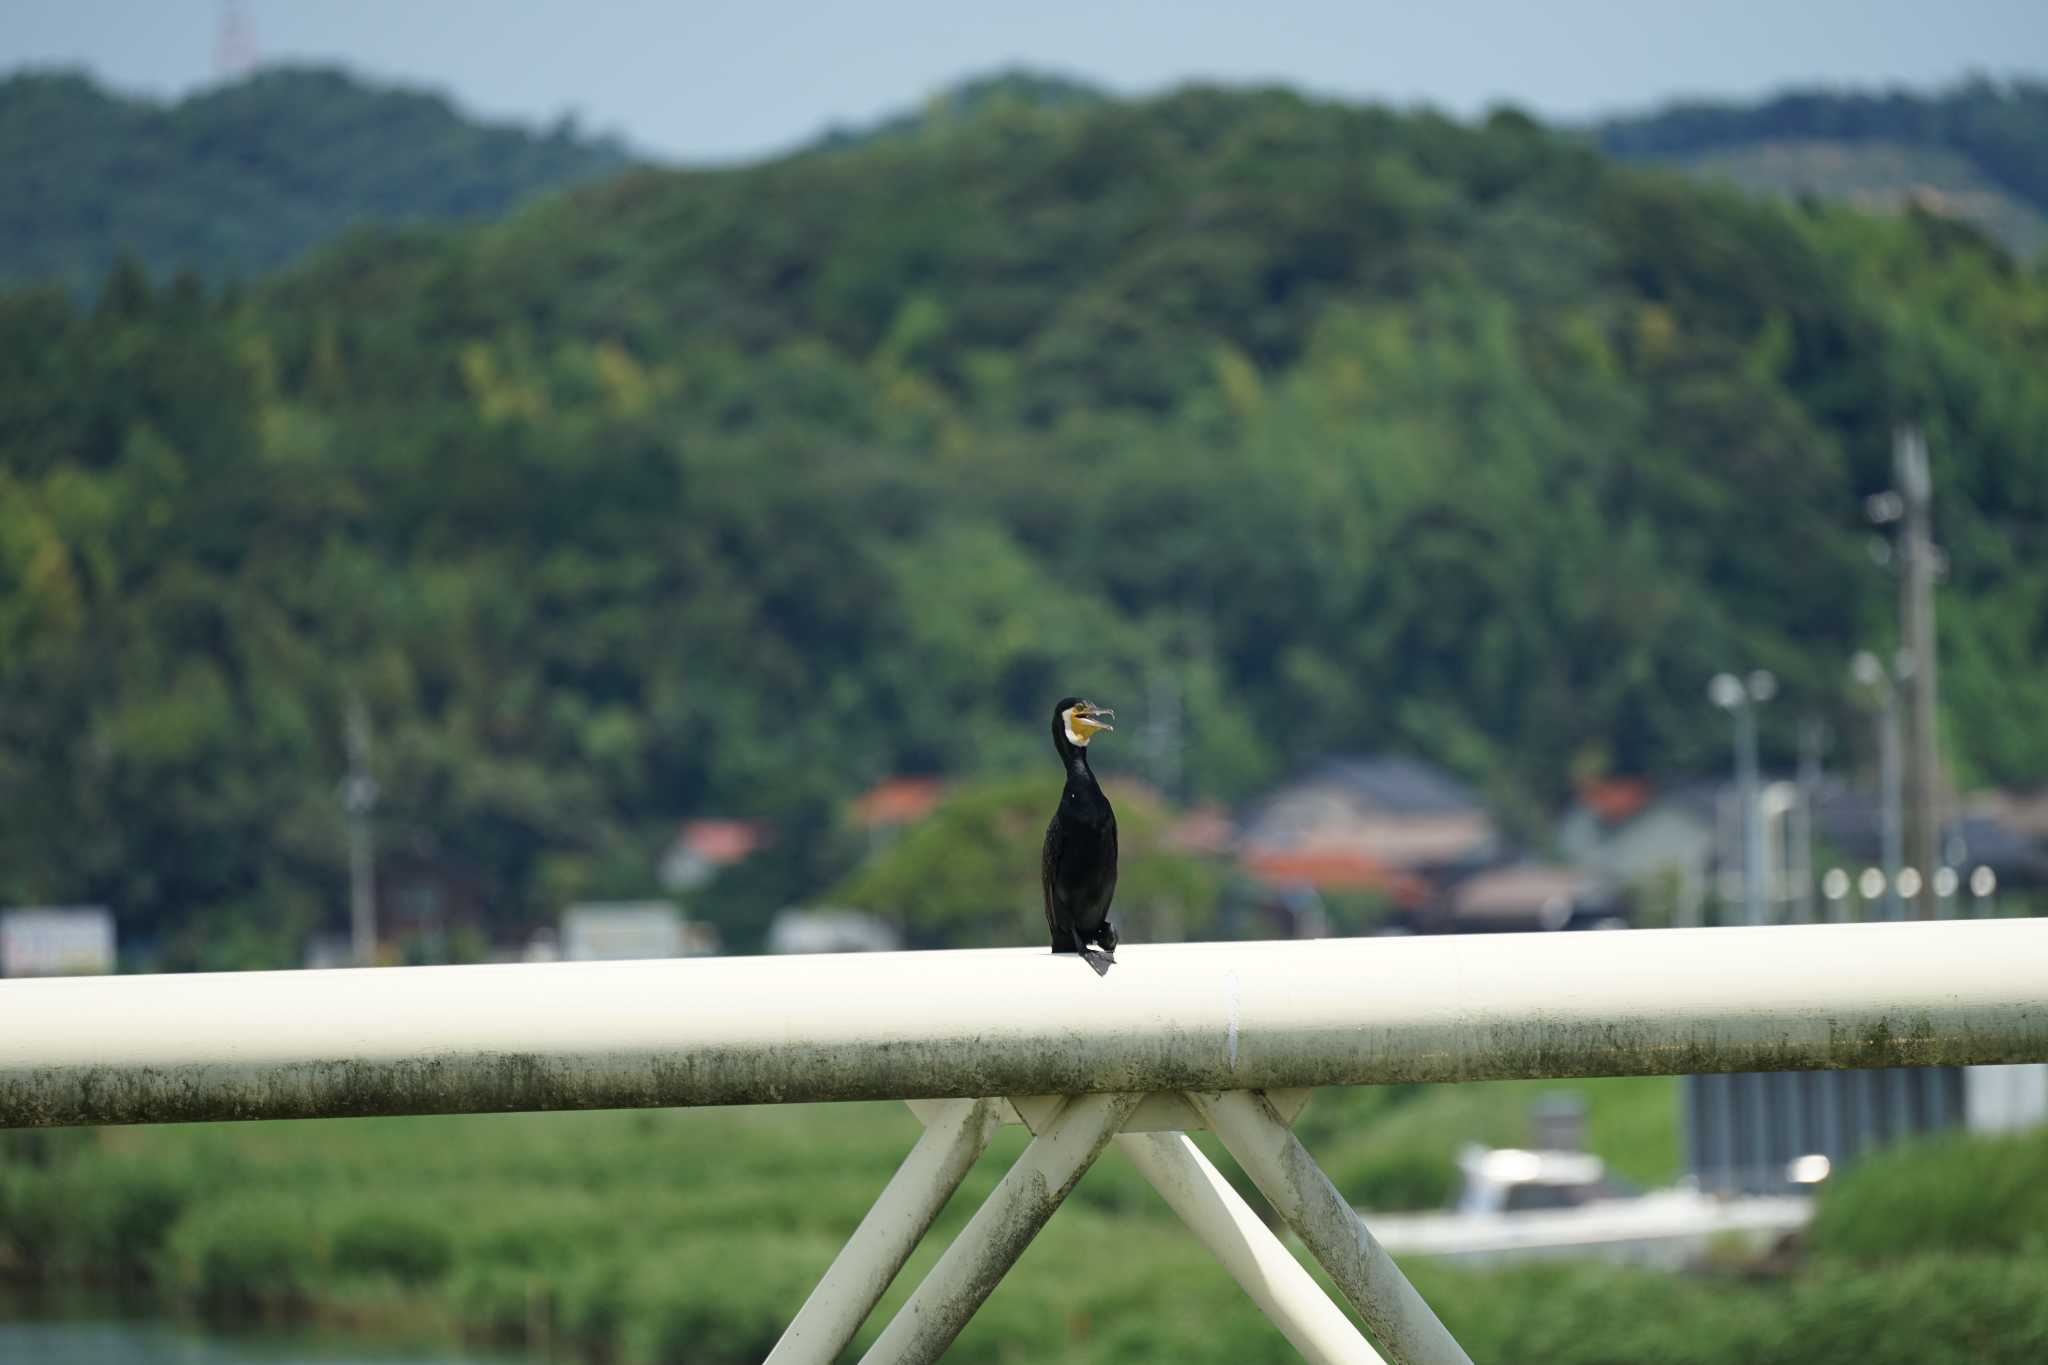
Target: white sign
x,y
2005,1099
71,940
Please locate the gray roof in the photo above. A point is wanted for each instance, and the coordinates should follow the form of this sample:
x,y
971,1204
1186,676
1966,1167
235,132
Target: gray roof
x,y
1852,819
1396,782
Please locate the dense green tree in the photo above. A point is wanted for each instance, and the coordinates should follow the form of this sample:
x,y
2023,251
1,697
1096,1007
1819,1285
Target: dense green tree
x,y
959,878
729,492
242,177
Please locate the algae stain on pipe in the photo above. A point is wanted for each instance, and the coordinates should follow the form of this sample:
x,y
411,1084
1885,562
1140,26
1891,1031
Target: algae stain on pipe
x,y
1231,1002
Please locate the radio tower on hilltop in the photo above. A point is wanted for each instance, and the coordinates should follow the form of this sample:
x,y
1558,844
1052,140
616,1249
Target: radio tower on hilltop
x,y
234,43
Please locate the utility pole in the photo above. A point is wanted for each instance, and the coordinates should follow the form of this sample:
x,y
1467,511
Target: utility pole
x,y
358,801
1752,817
1917,568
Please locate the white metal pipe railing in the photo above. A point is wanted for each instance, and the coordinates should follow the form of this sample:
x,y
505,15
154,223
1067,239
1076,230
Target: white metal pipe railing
x,y
1180,1017
1216,1034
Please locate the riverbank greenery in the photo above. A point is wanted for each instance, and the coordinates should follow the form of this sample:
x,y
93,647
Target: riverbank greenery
x,y
691,1236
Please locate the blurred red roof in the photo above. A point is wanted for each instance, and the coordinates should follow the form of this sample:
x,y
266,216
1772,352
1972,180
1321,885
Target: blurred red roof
x,y
1337,869
1615,799
897,801
723,842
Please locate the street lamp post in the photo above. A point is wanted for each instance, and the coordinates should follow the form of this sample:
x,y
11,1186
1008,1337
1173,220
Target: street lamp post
x,y
1741,697
359,802
1870,671
1813,737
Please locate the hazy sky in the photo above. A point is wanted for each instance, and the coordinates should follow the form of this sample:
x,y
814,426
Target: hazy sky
x,y
714,80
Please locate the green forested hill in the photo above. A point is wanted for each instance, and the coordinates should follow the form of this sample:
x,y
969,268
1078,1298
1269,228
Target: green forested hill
x,y
1972,153
1013,90
1977,152
728,492
240,178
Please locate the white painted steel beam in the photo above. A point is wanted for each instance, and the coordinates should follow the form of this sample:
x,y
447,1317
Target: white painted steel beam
x,y
954,1138
1211,1017
1405,1327
1266,1270
1001,1228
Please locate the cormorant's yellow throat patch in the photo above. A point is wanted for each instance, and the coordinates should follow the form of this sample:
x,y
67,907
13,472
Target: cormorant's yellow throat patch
x,y
1081,724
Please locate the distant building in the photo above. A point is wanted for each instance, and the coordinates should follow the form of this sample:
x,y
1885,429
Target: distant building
x,y
610,931
1657,845
704,848
1403,815
1526,897
827,930
52,940
1994,831
1207,831
1399,829
1332,869
2024,813
423,901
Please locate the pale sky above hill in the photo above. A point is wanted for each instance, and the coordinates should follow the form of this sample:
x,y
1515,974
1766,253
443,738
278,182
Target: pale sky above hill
x,y
718,79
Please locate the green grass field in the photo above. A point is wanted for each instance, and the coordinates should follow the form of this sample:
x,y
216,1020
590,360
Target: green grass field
x,y
692,1236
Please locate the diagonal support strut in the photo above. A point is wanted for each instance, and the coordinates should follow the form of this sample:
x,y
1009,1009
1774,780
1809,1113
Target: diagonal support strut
x,y
1070,1133
1265,1269
1330,1228
1000,1230
955,1136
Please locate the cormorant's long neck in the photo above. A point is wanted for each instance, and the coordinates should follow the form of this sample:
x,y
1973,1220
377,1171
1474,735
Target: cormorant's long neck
x,y
1078,771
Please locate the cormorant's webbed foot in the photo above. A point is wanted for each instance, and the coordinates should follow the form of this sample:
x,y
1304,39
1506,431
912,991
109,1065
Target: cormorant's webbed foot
x,y
1106,936
1099,961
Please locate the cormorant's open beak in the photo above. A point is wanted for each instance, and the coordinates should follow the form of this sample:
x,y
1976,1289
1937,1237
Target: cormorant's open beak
x,y
1099,718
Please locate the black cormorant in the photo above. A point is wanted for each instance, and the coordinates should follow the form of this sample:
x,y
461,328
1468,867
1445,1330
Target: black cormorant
x,y
1079,865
